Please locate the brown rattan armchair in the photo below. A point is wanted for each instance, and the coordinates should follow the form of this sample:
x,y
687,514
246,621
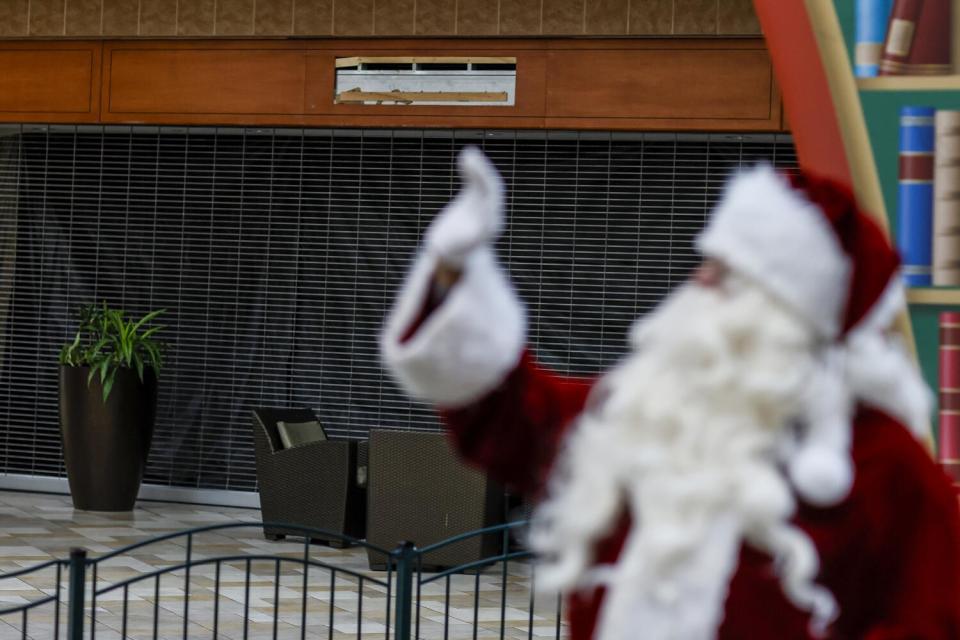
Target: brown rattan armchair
x,y
420,491
313,485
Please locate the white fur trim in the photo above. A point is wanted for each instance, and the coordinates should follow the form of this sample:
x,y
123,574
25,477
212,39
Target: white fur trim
x,y
475,216
821,466
882,374
468,345
821,475
880,371
767,231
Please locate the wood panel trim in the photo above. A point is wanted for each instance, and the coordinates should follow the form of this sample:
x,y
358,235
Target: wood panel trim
x,y
119,95
50,81
678,87
232,82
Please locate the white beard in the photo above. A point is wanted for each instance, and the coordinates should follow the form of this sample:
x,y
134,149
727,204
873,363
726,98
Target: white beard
x,y
685,434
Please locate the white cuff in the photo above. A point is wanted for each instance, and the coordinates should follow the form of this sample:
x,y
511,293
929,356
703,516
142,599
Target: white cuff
x,y
468,345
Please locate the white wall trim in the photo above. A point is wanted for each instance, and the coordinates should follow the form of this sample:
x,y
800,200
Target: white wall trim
x,y
217,497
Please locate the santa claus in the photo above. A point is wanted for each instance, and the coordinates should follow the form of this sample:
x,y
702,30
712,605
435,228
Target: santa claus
x,y
750,470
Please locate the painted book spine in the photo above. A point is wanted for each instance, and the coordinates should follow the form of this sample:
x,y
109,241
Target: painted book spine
x,y
919,39
915,206
932,48
871,28
946,199
948,445
901,34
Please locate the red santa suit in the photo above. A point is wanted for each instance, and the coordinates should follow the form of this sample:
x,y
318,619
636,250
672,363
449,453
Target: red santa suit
x,y
889,551
886,530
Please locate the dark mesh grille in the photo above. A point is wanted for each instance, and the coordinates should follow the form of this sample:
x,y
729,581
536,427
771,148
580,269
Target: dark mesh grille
x,y
277,253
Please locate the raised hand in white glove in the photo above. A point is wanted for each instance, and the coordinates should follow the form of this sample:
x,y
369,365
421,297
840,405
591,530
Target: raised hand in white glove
x,y
474,218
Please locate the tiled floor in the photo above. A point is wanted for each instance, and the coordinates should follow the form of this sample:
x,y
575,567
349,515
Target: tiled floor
x,y
35,528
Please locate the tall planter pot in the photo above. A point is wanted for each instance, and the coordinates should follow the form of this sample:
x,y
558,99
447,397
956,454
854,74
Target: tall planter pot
x,y
105,445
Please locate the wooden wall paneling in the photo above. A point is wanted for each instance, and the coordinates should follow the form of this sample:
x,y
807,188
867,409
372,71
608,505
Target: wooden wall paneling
x,y
194,83
641,84
50,81
702,86
780,112
776,102
320,83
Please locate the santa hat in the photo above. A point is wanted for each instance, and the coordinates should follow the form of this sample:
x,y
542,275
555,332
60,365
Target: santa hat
x,y
805,241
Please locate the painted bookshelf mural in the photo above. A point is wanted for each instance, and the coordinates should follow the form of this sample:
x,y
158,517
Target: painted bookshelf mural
x,y
912,114
928,196
889,84
903,37
948,444
911,110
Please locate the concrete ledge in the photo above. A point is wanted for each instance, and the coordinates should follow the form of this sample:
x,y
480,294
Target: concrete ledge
x,y
217,497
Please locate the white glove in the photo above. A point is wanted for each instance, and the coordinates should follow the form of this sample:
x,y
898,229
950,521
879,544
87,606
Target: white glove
x,y
474,217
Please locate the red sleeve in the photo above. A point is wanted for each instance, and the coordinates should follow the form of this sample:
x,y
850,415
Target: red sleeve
x,y
515,430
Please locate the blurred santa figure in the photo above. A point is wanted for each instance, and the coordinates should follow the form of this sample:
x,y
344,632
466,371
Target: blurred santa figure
x,y
752,469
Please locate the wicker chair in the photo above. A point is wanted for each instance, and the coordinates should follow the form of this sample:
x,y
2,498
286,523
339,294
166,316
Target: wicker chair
x,y
420,491
313,485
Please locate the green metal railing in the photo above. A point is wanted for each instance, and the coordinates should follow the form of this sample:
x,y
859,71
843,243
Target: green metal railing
x,y
402,582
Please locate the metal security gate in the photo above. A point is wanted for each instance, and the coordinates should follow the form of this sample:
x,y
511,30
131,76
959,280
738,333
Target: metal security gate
x,y
312,592
277,253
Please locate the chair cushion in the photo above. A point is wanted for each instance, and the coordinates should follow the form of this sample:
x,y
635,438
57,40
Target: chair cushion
x,y
295,434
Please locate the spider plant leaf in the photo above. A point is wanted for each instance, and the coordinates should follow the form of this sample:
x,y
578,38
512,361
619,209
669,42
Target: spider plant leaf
x,y
108,385
147,318
152,330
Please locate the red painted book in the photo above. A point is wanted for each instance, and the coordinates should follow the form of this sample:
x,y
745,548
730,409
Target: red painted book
x,y
918,40
948,451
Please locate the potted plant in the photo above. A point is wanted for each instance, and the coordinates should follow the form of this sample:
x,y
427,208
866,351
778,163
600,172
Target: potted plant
x,y
108,401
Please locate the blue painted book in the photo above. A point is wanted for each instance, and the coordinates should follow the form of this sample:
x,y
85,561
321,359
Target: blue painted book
x,y
915,207
872,17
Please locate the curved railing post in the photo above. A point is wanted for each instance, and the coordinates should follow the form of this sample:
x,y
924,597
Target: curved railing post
x,y
405,554
78,569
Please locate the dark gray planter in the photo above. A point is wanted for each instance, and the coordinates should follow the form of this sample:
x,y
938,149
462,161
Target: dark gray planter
x,y
105,446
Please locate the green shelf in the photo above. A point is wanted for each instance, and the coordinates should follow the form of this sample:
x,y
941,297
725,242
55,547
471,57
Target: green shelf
x,y
942,296
910,83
